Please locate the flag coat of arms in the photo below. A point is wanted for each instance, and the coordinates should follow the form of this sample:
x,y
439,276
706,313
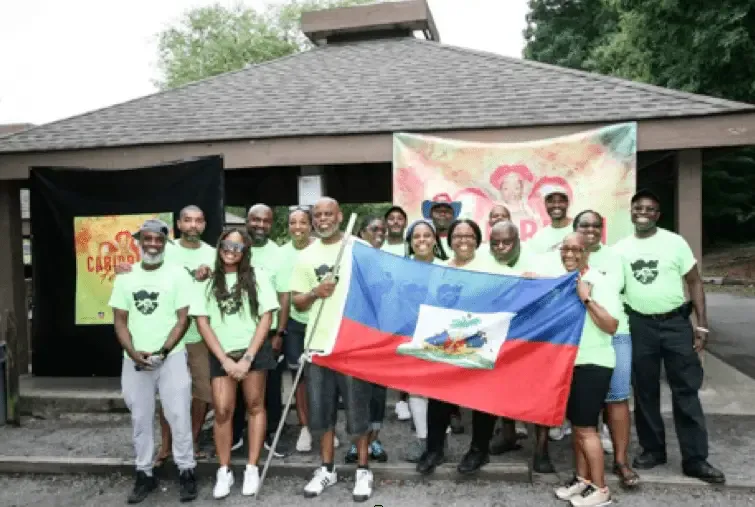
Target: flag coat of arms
x,y
505,345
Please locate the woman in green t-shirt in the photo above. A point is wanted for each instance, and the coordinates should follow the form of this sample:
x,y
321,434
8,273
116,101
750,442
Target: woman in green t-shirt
x,y
373,230
422,245
234,314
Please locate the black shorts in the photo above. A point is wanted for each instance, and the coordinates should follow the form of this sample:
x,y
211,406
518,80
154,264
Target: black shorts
x,y
589,387
264,360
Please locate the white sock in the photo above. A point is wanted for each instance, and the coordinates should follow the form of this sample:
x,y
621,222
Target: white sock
x,y
418,407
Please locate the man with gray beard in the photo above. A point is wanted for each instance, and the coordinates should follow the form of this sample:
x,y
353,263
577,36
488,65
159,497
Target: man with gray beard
x,y
151,315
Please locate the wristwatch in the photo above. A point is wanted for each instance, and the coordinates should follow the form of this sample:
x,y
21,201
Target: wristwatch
x,y
282,333
248,357
164,353
587,301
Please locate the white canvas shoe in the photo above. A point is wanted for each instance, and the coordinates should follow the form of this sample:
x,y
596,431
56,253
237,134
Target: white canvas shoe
x,y
304,442
251,480
402,411
223,483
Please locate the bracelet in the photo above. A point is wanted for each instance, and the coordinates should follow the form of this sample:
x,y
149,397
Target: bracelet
x,y
702,330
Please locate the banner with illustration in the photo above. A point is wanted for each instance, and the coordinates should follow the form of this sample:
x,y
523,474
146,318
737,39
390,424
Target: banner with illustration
x,y
596,169
102,243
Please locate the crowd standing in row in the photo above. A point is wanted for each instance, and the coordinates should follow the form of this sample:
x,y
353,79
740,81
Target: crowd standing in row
x,y
217,327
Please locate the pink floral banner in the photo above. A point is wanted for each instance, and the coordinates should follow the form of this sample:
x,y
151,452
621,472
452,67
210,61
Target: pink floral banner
x,y
597,169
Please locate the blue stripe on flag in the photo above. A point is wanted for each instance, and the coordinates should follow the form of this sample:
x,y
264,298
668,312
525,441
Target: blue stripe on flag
x,y
386,291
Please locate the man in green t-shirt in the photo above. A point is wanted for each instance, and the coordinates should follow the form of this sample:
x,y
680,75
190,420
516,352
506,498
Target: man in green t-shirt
x,y
266,256
549,238
442,211
395,220
658,264
313,286
151,314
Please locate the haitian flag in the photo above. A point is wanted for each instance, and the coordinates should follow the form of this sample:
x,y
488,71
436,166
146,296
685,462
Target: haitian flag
x,y
505,345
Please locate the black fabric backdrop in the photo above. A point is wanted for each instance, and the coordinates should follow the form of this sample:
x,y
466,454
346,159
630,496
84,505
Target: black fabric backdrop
x,y
61,348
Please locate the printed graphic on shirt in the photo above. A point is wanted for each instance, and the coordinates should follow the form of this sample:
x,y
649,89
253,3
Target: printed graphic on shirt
x,y
323,271
230,305
644,271
146,302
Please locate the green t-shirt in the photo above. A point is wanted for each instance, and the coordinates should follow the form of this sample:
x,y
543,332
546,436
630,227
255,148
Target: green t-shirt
x,y
608,262
152,299
480,263
235,328
654,270
289,256
189,259
397,249
548,239
268,257
313,264
526,262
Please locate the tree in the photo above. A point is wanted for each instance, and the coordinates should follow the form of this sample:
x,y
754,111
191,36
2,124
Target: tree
x,y
208,41
699,47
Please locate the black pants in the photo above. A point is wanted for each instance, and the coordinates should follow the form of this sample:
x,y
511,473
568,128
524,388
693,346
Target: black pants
x,y
670,340
273,403
438,418
483,425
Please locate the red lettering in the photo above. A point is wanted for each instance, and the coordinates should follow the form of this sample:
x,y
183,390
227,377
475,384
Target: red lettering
x,y
108,263
131,259
99,264
90,264
604,233
527,229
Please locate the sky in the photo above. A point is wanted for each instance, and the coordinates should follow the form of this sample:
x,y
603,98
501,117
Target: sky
x,y
64,58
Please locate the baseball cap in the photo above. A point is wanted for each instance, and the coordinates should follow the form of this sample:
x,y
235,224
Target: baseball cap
x,y
153,225
644,193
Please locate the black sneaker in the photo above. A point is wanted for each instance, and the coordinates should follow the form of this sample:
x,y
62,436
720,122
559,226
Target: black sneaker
x,y
143,486
188,483
280,449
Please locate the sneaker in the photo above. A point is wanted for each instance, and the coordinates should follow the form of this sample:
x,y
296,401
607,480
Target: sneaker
x,y
238,444
321,480
352,456
415,450
251,481
362,485
304,442
574,487
280,451
188,486
521,430
144,485
223,483
402,411
605,439
209,421
556,434
377,452
592,497
336,442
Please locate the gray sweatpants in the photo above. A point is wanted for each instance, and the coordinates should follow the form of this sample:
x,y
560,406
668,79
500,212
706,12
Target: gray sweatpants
x,y
173,382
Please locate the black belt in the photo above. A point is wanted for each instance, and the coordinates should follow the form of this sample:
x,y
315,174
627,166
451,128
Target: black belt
x,y
683,311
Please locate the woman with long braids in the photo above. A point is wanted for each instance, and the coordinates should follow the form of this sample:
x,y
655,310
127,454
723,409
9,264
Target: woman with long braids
x,y
234,313
589,224
423,245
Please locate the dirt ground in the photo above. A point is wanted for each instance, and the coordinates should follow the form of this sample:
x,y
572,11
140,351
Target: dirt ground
x,y
734,263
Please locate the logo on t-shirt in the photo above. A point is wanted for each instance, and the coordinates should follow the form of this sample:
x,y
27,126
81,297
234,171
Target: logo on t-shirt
x,y
322,271
146,302
644,271
230,305
192,272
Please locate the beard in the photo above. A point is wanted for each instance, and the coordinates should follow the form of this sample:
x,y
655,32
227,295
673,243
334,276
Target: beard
x,y
152,259
192,237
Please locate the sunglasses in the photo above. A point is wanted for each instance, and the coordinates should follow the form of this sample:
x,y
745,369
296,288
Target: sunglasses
x,y
232,246
302,207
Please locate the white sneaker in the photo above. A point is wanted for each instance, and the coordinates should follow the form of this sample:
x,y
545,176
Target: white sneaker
x,y
251,481
223,483
521,429
605,439
567,428
238,444
402,411
362,485
304,442
336,442
556,433
592,497
321,480
573,488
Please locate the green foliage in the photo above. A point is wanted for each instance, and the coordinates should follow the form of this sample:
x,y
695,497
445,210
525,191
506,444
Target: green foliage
x,y
693,46
208,41
280,222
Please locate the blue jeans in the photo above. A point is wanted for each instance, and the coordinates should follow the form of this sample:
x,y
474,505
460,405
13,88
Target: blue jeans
x,y
621,380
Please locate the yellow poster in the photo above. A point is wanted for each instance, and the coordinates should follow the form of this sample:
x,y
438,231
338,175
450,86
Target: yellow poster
x,y
102,243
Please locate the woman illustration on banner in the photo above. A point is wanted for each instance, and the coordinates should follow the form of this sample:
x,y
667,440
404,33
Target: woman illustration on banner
x,y
510,181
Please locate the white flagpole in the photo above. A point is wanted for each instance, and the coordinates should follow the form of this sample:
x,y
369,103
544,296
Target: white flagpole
x,y
271,453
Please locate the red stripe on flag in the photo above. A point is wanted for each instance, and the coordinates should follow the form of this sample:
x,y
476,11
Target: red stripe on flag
x,y
530,382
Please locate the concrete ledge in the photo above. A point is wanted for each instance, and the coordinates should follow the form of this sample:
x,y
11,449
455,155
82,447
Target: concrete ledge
x,y
652,478
64,465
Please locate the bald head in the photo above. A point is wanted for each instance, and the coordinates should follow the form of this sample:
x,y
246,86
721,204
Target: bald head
x,y
505,246
573,254
498,213
259,224
574,238
260,208
326,219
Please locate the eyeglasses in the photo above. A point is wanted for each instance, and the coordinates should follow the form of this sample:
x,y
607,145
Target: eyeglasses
x,y
644,209
588,225
232,246
300,207
572,249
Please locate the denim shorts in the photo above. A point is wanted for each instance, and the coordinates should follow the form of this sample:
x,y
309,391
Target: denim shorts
x,y
323,388
293,344
621,380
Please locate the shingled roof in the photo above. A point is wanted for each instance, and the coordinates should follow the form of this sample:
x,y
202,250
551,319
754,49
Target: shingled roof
x,y
375,86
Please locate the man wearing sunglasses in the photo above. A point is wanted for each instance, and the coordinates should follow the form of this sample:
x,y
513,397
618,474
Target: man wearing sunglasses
x,y
658,265
266,259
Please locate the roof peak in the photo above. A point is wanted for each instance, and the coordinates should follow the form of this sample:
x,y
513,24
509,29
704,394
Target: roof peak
x,y
378,20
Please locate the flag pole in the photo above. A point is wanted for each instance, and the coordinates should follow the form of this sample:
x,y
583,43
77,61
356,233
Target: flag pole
x,y
271,453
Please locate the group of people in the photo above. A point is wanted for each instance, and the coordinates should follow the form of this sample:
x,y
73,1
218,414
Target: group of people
x,y
217,327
